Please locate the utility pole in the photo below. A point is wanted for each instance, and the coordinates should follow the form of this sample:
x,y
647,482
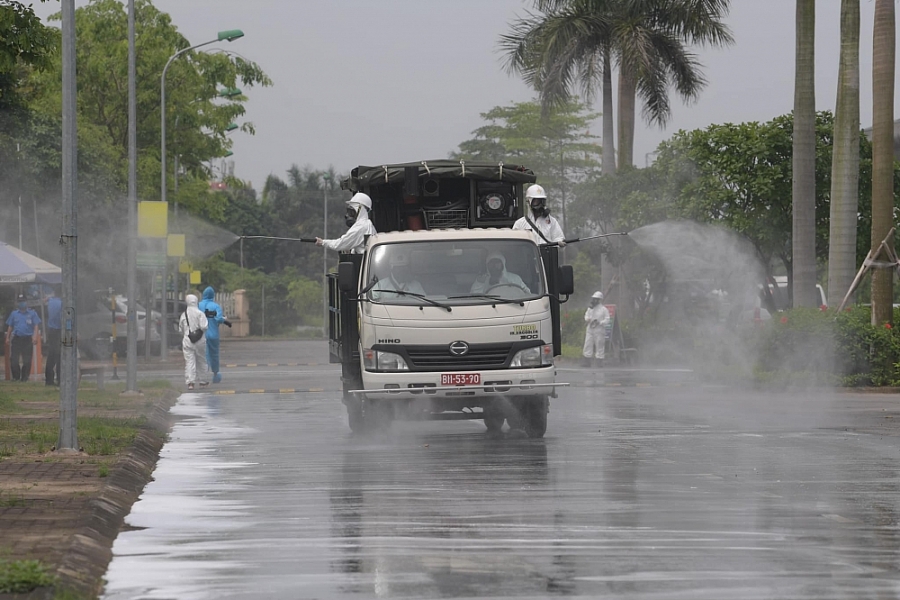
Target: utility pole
x,y
326,177
131,260
68,389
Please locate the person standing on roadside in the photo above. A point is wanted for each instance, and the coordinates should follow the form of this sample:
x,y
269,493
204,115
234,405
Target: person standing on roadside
x,y
209,307
597,317
193,320
22,334
53,330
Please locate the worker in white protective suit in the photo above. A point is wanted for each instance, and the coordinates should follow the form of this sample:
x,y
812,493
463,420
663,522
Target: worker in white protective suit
x,y
547,229
196,369
496,276
400,279
597,318
357,219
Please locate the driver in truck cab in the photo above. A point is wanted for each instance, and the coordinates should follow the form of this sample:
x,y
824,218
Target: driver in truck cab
x,y
496,275
400,280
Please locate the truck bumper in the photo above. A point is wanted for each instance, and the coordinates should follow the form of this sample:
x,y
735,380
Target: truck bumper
x,y
413,385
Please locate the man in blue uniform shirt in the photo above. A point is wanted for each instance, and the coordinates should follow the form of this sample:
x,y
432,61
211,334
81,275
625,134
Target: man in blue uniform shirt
x,y
22,333
53,330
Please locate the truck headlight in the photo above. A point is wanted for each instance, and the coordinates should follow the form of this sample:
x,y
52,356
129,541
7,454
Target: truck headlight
x,y
377,360
539,356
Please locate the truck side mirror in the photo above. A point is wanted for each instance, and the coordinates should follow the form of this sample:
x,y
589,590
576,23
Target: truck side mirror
x,y
566,280
346,279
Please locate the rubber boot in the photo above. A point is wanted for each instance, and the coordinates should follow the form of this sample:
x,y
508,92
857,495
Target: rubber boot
x,y
217,378
586,362
598,363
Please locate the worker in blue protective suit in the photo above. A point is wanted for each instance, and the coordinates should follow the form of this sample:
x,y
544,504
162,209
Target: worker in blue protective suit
x,y
214,315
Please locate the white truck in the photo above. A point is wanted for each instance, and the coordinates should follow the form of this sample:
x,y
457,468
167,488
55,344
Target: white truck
x,y
448,314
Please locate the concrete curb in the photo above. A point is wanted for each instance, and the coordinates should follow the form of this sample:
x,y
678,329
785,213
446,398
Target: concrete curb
x,y
90,552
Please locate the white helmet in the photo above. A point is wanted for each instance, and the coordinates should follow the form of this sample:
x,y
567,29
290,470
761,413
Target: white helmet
x,y
598,295
535,191
361,199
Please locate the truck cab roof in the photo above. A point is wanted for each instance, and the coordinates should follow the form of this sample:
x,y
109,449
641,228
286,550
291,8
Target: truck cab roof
x,y
394,237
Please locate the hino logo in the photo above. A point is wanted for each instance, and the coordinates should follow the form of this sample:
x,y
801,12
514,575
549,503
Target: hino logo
x,y
459,348
388,341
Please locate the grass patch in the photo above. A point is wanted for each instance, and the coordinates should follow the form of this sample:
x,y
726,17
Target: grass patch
x,y
21,576
11,500
108,423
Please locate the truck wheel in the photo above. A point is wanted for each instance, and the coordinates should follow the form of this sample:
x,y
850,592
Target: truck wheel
x,y
535,416
493,418
355,417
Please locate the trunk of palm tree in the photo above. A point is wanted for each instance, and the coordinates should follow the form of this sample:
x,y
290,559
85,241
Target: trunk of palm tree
x,y
804,163
883,56
609,145
845,161
627,93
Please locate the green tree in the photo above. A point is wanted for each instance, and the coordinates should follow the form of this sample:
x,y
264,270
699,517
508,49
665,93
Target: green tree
x,y
736,175
556,146
25,43
884,49
570,45
192,98
297,210
845,162
803,190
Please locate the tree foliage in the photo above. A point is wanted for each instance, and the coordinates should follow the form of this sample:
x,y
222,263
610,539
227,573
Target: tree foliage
x,y
735,175
557,146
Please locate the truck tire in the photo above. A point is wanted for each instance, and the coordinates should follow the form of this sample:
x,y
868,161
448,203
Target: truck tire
x,y
535,416
355,417
493,417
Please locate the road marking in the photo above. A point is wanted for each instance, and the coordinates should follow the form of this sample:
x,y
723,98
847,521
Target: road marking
x,y
259,391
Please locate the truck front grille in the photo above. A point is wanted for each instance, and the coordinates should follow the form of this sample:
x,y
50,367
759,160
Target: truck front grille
x,y
479,356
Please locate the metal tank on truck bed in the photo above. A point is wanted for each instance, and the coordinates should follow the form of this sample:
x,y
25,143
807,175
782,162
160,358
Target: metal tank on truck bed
x,y
449,313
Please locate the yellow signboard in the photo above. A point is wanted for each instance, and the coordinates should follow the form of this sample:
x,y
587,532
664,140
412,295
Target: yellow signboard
x,y
195,277
153,219
175,245
185,266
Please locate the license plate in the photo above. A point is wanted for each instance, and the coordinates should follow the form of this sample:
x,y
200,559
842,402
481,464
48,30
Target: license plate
x,y
461,379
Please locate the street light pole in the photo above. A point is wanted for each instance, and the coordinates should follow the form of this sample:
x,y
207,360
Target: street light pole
x,y
131,259
325,177
229,36
68,374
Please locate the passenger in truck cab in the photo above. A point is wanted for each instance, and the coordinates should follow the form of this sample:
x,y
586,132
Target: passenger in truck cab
x,y
496,275
399,278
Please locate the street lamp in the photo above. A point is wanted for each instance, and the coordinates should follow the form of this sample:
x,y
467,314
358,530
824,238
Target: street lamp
x,y
228,36
326,177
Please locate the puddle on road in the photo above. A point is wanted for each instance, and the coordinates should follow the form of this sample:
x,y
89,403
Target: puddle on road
x,y
185,514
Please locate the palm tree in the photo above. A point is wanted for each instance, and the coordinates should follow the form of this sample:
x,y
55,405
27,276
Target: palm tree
x,y
573,43
804,159
845,160
883,56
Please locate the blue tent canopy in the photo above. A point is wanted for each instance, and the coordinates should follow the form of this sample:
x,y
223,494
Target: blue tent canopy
x,y
17,266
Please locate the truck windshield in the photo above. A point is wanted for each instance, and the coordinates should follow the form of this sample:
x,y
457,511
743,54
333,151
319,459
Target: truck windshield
x,y
455,272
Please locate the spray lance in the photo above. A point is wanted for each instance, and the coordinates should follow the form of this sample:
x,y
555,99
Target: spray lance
x,y
593,237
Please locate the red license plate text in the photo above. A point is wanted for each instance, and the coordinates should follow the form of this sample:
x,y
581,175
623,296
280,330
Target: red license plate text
x,y
461,379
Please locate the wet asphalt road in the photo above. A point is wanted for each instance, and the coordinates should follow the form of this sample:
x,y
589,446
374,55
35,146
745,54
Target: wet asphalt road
x,y
647,485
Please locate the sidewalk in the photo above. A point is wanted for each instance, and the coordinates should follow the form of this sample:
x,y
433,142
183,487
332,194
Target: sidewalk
x,y
65,510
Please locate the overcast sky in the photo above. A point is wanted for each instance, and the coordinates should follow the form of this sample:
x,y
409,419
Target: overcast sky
x,y
377,81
